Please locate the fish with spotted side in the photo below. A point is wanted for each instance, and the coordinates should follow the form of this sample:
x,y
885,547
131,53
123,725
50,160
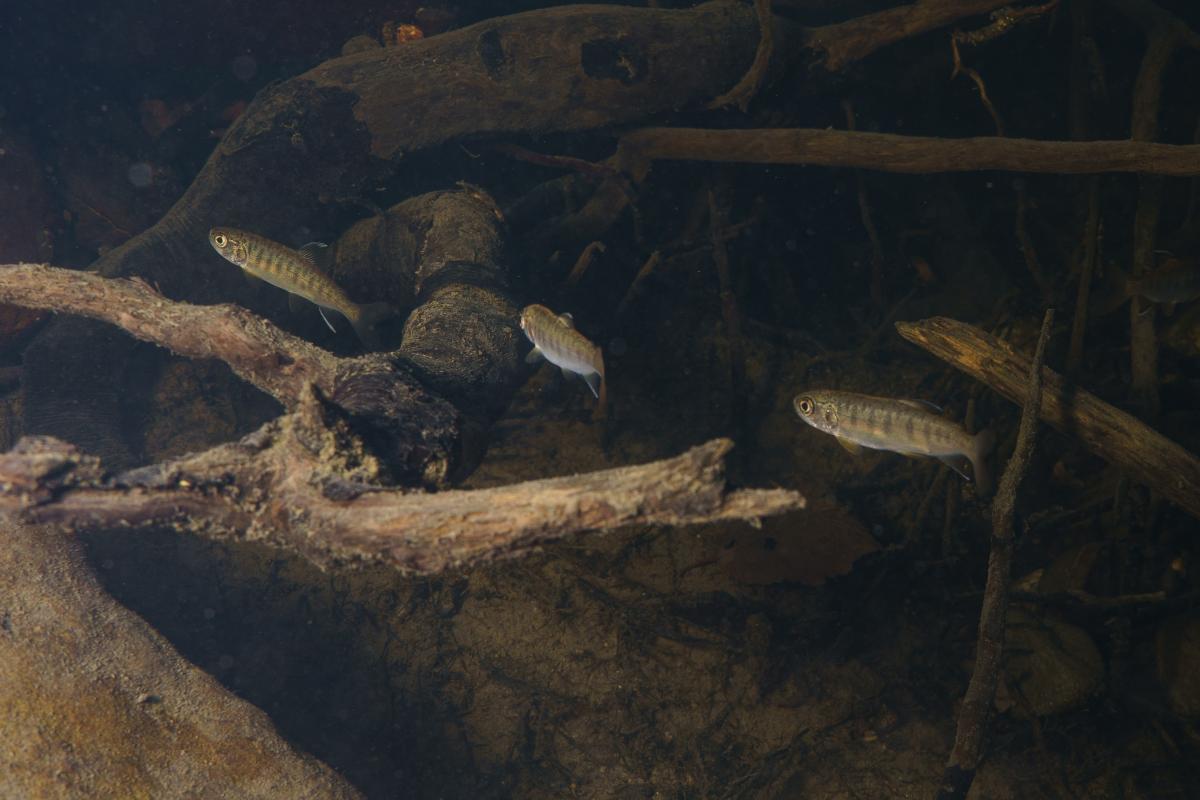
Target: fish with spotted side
x,y
555,339
909,427
301,273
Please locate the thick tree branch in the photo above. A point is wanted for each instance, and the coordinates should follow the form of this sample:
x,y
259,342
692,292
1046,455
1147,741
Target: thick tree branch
x,y
302,482
260,353
889,152
1110,433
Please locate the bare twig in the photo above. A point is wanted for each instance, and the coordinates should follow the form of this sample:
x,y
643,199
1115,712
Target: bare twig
x,y
741,94
583,262
1091,249
868,221
981,692
910,154
631,294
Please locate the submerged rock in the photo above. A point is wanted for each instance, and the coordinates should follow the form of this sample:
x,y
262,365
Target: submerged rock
x,y
97,704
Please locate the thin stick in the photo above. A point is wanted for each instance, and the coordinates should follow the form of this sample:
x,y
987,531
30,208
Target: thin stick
x,y
741,94
634,288
583,262
981,692
864,210
889,152
1091,247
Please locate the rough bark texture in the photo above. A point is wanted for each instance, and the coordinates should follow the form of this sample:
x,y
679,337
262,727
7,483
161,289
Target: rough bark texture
x,y
1148,456
98,704
890,152
304,482
424,408
330,134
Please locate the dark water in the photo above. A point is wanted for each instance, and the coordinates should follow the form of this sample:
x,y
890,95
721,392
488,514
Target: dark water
x,y
822,655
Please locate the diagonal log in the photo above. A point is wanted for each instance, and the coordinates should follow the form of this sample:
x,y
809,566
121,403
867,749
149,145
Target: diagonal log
x,y
302,482
1117,437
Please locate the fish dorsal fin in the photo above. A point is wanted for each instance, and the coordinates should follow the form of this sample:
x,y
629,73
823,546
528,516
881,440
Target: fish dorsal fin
x,y
326,318
957,463
853,448
567,319
318,254
535,355
922,405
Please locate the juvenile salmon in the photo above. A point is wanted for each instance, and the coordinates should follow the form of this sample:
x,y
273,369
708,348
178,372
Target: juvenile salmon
x,y
554,338
300,273
910,427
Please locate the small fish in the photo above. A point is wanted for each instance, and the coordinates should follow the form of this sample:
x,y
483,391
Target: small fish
x,y
1176,281
554,338
910,427
299,272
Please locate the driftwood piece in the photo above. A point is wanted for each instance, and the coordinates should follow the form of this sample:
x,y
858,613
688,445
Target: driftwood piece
x,y
1117,437
889,152
423,409
303,482
98,704
974,714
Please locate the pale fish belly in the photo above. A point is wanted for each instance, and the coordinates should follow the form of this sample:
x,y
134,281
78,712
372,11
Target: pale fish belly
x,y
573,362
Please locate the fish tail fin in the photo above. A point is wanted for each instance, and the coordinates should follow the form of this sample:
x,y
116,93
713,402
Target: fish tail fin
x,y
602,393
365,320
981,447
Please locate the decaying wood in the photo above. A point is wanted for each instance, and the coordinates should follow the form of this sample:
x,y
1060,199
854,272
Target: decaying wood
x,y
889,152
1123,440
304,482
853,40
981,691
424,408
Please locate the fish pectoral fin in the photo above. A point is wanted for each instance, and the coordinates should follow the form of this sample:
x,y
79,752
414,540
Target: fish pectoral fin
x,y
296,303
326,318
957,463
922,405
567,374
566,319
535,355
593,381
853,448
318,254
252,280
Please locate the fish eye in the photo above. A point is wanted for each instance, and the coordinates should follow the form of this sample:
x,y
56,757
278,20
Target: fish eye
x,y
221,240
805,405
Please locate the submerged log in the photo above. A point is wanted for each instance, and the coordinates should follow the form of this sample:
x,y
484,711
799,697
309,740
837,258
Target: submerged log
x,y
424,408
1117,437
305,483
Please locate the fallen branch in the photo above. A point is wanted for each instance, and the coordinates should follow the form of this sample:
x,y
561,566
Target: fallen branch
x,y
981,691
846,42
303,482
741,94
889,152
1143,453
